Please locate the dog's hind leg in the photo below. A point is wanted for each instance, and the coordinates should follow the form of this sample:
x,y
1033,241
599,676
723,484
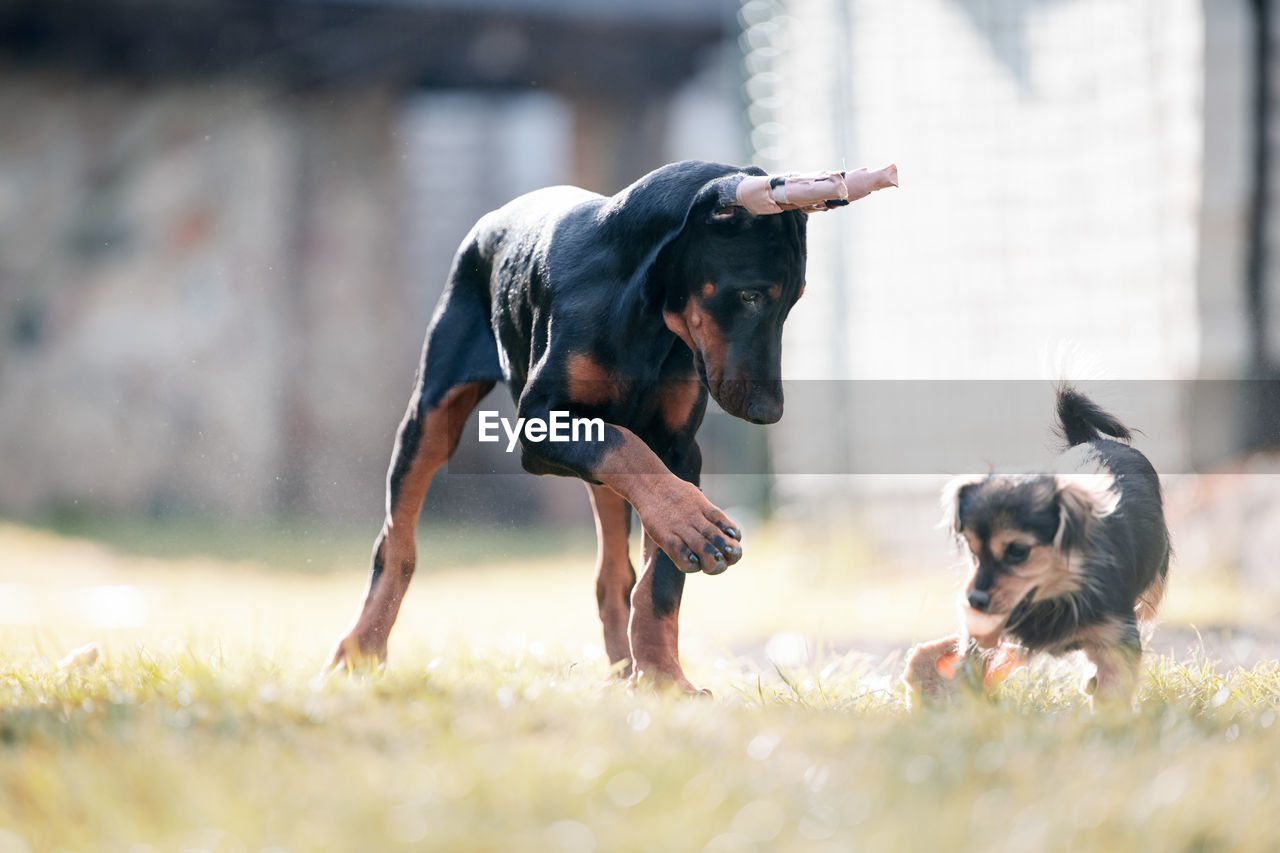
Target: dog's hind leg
x,y
426,439
1147,603
615,576
459,366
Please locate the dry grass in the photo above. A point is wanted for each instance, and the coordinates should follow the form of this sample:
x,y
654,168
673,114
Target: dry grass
x,y
205,727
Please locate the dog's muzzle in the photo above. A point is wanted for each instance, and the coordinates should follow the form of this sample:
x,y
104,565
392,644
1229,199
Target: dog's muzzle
x,y
764,406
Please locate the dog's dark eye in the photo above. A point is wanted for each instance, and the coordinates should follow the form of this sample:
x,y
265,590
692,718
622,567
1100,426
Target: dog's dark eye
x,y
751,298
1015,554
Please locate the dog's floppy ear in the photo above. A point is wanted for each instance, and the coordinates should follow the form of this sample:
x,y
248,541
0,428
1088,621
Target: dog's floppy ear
x,y
643,219
1081,500
728,210
953,500
647,216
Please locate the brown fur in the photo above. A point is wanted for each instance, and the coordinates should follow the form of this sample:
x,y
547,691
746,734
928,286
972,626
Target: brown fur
x,y
614,574
1047,569
654,638
678,323
666,505
703,336
1150,600
588,382
678,402
366,640
664,502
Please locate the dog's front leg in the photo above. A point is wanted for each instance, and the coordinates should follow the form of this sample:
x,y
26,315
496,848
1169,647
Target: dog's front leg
x,y
654,630
1118,660
931,670
684,532
693,532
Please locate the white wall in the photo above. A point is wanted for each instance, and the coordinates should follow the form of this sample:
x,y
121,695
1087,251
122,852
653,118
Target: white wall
x,y
1051,165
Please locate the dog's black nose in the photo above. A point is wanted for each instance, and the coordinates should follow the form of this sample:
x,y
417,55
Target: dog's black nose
x,y
765,405
979,599
765,413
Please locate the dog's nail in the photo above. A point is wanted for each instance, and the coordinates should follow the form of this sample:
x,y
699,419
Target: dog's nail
x,y
733,532
694,561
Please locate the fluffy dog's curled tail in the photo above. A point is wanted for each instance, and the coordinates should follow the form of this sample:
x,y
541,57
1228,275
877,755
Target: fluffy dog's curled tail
x,y
1081,420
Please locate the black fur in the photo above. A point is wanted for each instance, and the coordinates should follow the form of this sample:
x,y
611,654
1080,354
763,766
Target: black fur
x,y
605,269
1029,498
1080,420
1121,555
563,289
565,271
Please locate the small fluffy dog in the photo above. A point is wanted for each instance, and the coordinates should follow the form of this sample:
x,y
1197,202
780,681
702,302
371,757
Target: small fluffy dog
x,y
1060,562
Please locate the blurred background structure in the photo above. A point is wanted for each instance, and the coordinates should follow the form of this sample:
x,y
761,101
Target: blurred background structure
x,y
1087,189
224,225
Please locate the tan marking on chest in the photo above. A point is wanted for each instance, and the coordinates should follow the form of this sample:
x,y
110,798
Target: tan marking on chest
x,y
677,402
588,382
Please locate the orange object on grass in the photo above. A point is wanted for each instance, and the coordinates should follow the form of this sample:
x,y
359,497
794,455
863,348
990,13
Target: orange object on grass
x,y
1003,663
947,664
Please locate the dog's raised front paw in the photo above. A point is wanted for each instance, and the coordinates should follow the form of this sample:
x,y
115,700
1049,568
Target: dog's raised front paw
x,y
693,532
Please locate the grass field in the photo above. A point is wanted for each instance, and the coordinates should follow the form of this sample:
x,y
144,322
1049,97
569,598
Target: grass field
x,y
205,725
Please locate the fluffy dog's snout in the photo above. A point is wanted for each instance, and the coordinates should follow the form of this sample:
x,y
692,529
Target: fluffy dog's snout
x,y
980,600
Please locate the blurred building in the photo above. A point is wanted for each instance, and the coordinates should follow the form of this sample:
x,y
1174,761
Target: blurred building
x,y
1079,176
224,224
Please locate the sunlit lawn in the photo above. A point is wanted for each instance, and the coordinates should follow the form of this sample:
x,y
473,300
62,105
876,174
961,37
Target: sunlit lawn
x,y
495,727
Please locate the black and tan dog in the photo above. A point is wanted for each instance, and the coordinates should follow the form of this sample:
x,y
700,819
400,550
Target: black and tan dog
x,y
1060,562
630,309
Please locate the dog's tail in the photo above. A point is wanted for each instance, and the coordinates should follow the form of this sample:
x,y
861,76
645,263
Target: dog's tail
x,y
1081,420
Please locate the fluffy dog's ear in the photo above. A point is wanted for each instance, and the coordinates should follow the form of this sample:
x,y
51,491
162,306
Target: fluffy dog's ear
x,y
1081,500
953,500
